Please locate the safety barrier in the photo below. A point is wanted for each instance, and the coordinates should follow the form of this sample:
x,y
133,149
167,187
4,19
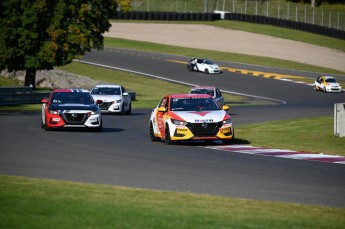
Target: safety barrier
x,y
20,95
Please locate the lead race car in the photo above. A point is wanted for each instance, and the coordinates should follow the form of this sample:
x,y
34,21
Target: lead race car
x,y
180,117
203,65
71,108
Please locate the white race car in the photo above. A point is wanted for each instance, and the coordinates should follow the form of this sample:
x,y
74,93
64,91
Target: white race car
x,y
327,84
115,98
180,117
203,65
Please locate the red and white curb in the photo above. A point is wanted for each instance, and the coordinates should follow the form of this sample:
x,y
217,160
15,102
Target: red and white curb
x,y
280,153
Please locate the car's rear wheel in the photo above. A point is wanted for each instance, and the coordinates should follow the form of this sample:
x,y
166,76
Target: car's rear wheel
x,y
152,135
168,140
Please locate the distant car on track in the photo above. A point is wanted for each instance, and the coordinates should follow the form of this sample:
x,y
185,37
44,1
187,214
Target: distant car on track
x,y
115,98
180,117
210,90
203,65
67,108
327,84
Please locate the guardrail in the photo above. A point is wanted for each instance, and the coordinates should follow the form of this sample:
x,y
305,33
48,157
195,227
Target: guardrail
x,y
20,95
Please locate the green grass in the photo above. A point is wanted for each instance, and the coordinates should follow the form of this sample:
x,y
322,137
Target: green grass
x,y
39,203
308,134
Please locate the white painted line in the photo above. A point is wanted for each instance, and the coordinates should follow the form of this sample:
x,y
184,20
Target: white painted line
x,y
176,81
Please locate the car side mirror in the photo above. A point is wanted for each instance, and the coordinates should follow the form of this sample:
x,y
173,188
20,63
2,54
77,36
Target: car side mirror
x,y
44,100
98,101
125,93
225,107
162,109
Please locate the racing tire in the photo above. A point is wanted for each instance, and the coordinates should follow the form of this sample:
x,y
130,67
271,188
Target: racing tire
x,y
46,128
229,141
42,124
168,140
324,89
129,109
152,135
190,68
123,112
207,71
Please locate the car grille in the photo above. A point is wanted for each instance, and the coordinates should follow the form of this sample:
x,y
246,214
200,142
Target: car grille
x,y
105,105
74,118
201,129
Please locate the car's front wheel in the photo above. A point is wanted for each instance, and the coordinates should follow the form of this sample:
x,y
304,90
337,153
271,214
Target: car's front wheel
x,y
152,134
129,109
324,89
207,71
168,140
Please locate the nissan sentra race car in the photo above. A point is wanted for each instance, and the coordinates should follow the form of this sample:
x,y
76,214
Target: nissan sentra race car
x,y
67,108
180,117
327,84
115,98
203,65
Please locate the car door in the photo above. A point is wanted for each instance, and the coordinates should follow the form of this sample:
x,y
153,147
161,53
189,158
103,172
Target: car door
x,y
201,65
162,110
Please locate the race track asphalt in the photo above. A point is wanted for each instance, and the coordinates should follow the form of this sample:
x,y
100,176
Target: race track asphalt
x,y
124,155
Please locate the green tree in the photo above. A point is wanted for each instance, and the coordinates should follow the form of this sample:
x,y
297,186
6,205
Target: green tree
x,y
41,34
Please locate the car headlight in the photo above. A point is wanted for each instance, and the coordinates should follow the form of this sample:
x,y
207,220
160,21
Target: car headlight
x,y
178,122
118,101
227,121
94,112
54,112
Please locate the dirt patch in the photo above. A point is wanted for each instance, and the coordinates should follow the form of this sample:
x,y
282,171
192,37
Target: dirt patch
x,y
227,40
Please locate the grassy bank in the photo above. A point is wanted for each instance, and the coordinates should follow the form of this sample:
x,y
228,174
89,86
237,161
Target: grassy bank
x,y
61,204
308,134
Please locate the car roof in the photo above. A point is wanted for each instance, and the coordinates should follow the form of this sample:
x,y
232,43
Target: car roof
x,y
189,96
108,85
328,77
69,90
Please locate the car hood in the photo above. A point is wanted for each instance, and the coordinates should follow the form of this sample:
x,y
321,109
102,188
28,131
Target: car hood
x,y
66,106
213,65
107,98
333,84
200,116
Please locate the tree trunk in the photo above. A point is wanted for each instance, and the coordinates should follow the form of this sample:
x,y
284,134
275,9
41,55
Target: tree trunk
x,y
30,78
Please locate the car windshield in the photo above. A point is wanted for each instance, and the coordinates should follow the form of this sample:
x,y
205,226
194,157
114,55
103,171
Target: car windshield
x,y
202,91
208,62
106,91
72,97
331,80
193,104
